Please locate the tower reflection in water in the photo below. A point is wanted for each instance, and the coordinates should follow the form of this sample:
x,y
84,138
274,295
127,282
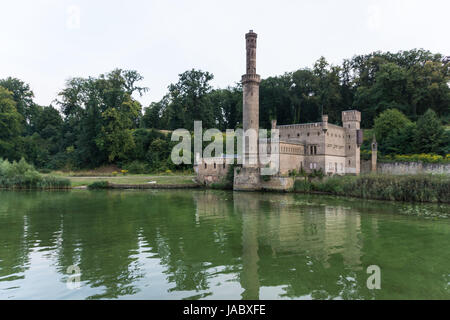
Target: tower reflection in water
x,y
290,244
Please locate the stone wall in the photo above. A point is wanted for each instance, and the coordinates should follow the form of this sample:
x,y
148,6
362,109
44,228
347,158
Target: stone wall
x,y
246,179
278,183
211,171
398,168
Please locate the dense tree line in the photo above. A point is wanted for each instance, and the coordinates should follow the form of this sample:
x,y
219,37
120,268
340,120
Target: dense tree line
x,y
410,81
396,134
98,120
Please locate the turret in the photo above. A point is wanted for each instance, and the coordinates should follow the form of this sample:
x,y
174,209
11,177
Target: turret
x,y
324,123
274,124
351,121
374,154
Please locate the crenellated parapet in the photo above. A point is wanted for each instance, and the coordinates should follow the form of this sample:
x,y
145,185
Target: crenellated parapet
x,y
351,115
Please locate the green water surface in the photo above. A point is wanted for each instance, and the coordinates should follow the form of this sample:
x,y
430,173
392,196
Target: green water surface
x,y
196,244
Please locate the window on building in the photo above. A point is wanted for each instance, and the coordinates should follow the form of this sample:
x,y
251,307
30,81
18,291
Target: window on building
x,y
206,165
214,165
223,165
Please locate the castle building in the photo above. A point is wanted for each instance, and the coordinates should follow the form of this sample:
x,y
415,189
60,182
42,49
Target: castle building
x,y
308,146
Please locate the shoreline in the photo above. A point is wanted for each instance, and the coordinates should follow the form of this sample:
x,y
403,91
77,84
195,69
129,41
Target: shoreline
x,y
339,187
200,186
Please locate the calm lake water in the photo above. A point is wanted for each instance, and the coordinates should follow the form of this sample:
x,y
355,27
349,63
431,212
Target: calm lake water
x,y
196,244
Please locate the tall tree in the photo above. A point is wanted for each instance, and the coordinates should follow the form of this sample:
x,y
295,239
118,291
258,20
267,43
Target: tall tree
x,y
10,125
190,100
429,133
99,114
23,96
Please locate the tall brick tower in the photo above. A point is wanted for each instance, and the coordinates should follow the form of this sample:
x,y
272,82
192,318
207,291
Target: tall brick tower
x,y
250,112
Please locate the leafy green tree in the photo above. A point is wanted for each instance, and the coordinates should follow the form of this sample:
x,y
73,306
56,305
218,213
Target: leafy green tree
x,y
275,100
227,107
393,130
304,96
400,141
328,90
37,150
429,135
155,115
190,100
23,96
10,125
99,116
388,91
158,153
116,138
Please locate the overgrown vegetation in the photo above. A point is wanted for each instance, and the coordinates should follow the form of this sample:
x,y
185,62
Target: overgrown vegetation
x,y
424,157
99,185
417,188
21,175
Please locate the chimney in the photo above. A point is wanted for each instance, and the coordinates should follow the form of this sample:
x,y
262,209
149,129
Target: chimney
x,y
274,124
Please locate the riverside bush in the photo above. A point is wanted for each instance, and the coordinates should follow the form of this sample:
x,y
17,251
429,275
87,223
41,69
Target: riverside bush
x,y
417,188
137,167
302,185
423,157
21,175
99,185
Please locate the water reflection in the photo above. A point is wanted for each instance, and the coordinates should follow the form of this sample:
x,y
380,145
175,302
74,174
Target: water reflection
x,y
220,245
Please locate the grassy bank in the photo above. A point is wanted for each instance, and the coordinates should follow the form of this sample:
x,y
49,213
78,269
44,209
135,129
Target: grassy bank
x,y
21,175
417,188
78,181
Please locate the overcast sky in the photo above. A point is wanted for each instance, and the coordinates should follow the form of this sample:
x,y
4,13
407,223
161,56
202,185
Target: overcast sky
x,y
45,42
